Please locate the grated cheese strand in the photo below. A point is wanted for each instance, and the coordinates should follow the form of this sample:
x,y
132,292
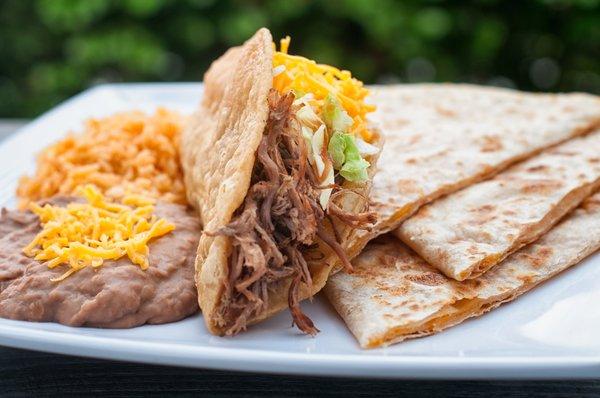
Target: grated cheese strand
x,y
303,75
87,234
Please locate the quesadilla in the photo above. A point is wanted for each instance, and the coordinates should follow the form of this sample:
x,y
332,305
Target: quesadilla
x,y
394,295
440,138
467,233
278,161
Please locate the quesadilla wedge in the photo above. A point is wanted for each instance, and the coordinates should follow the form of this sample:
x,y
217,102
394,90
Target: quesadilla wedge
x,y
470,231
278,161
395,295
440,138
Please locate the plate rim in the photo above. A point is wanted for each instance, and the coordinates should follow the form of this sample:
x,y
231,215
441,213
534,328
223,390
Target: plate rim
x,y
306,364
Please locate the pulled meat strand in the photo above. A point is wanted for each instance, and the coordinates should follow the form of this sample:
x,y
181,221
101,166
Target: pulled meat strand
x,y
336,247
299,318
363,220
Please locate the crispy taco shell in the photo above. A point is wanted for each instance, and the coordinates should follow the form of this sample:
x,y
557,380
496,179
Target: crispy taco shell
x,y
218,152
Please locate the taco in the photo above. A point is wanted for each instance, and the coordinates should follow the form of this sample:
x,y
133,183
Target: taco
x,y
277,161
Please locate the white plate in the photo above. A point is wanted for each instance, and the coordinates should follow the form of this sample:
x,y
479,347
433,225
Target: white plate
x,y
550,332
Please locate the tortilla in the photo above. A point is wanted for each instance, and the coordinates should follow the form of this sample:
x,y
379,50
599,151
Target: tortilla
x,y
443,137
395,295
467,233
228,125
218,151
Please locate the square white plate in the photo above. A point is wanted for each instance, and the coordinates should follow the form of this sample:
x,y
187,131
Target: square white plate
x,y
550,332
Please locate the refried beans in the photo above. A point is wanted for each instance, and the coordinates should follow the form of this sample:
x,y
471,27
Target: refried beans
x,y
116,295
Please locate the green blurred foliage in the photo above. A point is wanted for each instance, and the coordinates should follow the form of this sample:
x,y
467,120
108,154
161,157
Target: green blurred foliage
x,y
52,49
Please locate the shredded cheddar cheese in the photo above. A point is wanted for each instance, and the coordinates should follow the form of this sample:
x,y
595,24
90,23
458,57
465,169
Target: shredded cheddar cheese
x,y
129,152
87,234
303,76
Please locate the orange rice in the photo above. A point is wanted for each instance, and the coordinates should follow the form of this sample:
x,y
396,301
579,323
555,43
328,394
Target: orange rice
x,y
126,153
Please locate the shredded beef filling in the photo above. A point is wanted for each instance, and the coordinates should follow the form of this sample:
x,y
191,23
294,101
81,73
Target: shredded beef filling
x,y
279,218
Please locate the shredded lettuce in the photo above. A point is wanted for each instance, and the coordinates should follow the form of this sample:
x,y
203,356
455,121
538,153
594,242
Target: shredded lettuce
x,y
334,115
355,170
343,149
326,193
355,167
308,135
318,140
336,149
346,157
365,148
307,117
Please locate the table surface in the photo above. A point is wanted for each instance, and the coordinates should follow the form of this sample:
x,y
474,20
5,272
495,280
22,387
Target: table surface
x,y
29,373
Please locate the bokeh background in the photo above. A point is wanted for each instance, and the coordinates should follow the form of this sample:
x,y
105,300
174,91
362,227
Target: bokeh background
x,y
52,49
